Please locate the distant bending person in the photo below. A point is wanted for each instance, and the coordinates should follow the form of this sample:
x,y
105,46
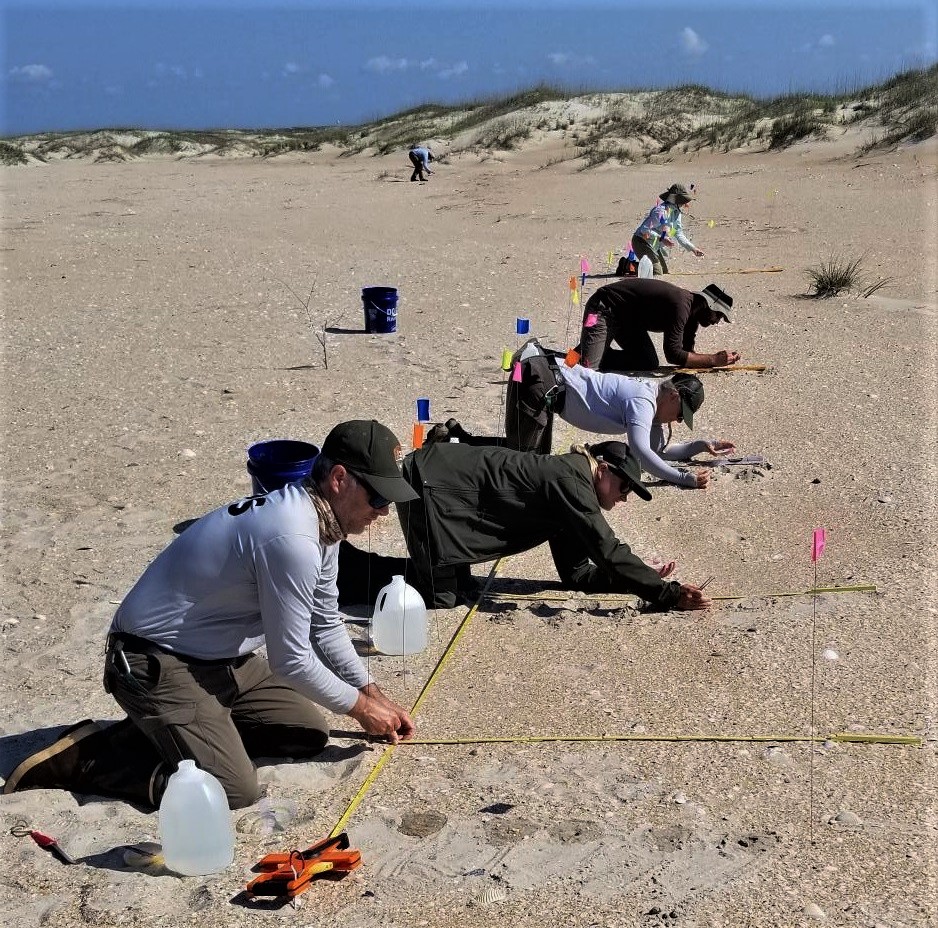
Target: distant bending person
x,y
663,227
608,404
420,158
627,310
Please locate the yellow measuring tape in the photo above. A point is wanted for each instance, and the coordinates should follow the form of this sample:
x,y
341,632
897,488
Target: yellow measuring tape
x,y
627,597
389,750
726,369
843,737
743,270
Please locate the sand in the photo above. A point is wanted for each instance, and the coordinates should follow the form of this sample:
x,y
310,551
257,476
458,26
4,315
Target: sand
x,y
150,336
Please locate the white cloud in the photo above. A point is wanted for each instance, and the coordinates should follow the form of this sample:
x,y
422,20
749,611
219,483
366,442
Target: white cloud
x,y
826,40
291,67
33,73
324,80
429,64
692,43
461,67
565,60
382,64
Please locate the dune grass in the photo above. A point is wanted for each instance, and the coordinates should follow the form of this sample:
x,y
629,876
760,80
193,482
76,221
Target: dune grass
x,y
839,274
634,125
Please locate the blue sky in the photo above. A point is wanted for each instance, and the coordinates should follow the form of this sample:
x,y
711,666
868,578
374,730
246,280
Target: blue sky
x,y
260,63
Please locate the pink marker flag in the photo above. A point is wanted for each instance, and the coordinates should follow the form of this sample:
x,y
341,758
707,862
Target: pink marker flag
x,y
818,543
584,266
516,372
589,321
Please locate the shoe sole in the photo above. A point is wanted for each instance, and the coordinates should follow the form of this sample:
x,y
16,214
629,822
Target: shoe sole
x,y
69,739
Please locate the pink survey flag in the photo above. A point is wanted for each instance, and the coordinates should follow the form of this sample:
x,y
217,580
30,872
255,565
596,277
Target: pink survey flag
x,y
584,266
516,372
818,543
589,321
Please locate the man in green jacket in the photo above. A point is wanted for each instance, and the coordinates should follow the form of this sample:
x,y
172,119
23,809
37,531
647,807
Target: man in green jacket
x,y
477,504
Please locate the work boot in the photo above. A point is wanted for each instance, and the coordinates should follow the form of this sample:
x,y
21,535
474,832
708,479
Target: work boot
x,y
456,430
439,433
55,767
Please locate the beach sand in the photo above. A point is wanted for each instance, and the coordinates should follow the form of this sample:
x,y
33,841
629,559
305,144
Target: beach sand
x,y
151,335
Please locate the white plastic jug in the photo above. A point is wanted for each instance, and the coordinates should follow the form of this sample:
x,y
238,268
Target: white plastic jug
x,y
195,824
645,267
399,623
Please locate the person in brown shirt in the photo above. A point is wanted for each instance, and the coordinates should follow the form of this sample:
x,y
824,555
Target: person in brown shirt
x,y
627,310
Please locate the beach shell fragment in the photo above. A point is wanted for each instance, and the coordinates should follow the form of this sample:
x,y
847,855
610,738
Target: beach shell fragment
x,y
491,895
147,855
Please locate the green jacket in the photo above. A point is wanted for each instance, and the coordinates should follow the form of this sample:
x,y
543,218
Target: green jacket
x,y
480,503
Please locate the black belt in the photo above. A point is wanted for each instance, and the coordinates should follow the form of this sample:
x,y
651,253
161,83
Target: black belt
x,y
117,641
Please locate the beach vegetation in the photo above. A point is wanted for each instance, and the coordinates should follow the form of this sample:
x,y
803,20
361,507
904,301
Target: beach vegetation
x,y
839,274
12,154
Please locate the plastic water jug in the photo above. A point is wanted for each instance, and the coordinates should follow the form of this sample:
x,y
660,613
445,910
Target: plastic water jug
x,y
399,623
195,824
645,267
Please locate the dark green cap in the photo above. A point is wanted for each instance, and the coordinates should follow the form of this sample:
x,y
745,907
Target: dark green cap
x,y
691,392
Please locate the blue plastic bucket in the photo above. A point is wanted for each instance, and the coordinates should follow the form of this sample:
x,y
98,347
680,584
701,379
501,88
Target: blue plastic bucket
x,y
380,305
274,464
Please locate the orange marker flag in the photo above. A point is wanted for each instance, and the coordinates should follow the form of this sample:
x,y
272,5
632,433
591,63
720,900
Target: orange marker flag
x,y
418,435
573,357
573,283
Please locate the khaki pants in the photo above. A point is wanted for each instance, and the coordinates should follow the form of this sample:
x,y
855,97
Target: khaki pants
x,y
221,714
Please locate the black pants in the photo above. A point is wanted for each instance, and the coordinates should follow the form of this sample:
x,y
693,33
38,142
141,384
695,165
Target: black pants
x,y
530,404
418,167
603,325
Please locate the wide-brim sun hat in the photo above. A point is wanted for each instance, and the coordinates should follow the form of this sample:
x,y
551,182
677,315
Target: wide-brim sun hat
x,y
718,300
680,193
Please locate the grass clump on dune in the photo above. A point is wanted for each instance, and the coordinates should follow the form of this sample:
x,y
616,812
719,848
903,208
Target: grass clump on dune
x,y
839,274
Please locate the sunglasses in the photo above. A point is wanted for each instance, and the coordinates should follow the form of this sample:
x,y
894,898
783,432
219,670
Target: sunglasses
x,y
375,499
625,479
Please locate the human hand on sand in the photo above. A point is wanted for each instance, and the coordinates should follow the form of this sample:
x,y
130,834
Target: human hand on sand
x,y
698,253
378,716
724,358
691,598
702,477
720,447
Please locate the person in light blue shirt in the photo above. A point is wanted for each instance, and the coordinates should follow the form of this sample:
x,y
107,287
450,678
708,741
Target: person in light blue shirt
x,y
662,227
420,158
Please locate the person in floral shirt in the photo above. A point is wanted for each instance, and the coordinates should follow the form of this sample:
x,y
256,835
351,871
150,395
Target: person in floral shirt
x,y
662,227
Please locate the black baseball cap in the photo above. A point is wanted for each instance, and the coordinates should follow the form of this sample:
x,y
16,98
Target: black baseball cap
x,y
370,450
692,396
618,457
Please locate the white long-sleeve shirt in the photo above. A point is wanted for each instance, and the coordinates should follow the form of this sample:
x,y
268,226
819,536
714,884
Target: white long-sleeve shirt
x,y
610,404
247,574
